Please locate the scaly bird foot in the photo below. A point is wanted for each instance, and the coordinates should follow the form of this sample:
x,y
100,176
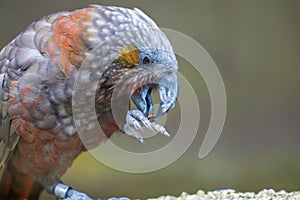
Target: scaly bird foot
x,y
75,195
134,119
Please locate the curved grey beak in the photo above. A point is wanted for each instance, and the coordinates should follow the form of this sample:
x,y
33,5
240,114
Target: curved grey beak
x,y
168,93
168,100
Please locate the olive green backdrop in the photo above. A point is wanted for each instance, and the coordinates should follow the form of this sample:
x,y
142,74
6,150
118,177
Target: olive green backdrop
x,y
256,47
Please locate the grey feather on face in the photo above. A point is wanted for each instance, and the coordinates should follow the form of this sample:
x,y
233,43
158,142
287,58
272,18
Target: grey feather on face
x,y
119,28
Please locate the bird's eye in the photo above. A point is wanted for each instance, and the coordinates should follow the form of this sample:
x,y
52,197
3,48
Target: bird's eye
x,y
146,60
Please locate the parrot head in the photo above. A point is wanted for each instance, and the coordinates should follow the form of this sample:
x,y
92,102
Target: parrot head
x,y
140,58
160,69
152,65
143,69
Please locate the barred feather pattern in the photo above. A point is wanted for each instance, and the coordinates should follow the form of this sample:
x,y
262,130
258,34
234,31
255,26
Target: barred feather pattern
x,y
37,73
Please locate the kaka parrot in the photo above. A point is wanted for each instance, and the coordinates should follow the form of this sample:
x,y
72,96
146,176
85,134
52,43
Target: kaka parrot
x,y
68,64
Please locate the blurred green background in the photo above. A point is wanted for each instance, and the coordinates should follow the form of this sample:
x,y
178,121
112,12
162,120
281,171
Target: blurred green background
x,y
256,47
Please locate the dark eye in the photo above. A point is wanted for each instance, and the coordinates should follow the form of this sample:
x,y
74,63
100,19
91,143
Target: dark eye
x,y
146,60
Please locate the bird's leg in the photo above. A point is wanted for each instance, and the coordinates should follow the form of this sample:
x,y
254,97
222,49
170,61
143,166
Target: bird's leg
x,y
134,119
65,192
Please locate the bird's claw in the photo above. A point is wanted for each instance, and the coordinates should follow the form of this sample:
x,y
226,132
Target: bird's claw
x,y
133,127
75,195
159,128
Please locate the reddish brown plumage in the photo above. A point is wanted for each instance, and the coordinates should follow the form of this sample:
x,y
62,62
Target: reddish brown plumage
x,y
42,150
67,38
38,71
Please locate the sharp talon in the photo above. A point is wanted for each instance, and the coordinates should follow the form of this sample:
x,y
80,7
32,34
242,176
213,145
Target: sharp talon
x,y
132,132
160,129
166,134
141,140
133,127
148,125
75,195
138,126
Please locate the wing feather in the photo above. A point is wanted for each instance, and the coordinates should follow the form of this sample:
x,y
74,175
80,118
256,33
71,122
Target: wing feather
x,y
8,136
